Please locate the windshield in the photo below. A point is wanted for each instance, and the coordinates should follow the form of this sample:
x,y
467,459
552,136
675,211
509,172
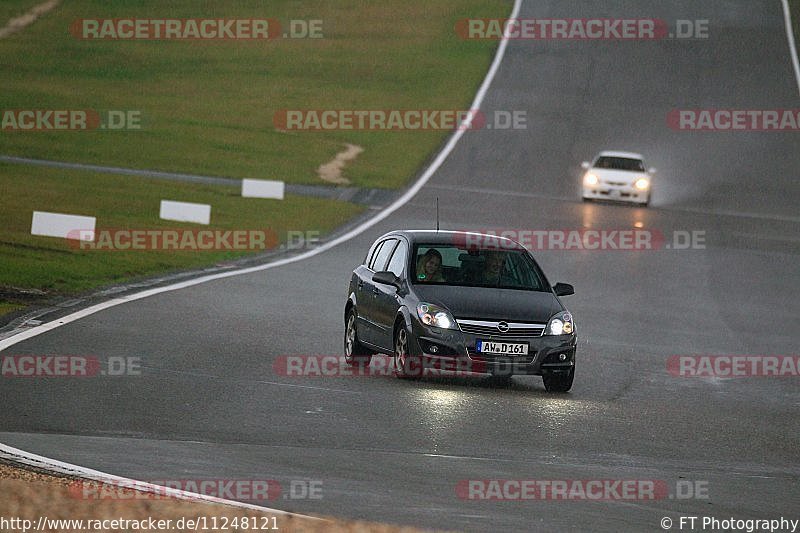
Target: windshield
x,y
474,267
620,163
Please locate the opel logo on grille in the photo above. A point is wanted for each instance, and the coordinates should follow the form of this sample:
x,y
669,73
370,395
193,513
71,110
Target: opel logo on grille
x,y
502,326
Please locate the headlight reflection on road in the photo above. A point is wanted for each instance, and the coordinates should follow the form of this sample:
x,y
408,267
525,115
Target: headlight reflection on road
x,y
588,215
439,411
559,413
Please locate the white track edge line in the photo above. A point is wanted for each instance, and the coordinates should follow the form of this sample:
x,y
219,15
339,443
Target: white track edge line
x,y
58,467
787,17
397,204
53,465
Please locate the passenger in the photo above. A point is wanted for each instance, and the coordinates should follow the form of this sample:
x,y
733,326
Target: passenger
x,y
429,267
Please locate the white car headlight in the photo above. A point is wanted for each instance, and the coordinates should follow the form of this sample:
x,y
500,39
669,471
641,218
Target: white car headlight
x,y
433,315
642,184
560,324
590,179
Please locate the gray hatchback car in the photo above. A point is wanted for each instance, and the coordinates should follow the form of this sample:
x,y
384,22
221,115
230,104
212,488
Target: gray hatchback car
x,y
459,301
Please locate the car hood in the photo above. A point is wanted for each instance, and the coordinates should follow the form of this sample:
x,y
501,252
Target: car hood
x,y
479,303
618,176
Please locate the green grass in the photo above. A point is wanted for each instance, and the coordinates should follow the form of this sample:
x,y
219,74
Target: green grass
x,y
53,265
208,109
6,307
208,106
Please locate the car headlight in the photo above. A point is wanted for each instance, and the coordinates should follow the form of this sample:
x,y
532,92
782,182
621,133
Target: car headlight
x,y
560,324
642,184
433,315
590,179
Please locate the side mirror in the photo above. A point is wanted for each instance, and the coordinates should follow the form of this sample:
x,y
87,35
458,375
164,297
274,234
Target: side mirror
x,y
586,165
652,170
386,278
563,289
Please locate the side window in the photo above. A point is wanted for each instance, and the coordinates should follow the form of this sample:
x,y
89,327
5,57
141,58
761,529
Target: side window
x,y
379,259
399,259
371,258
435,265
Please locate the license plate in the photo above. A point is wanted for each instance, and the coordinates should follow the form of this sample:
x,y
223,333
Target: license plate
x,y
504,348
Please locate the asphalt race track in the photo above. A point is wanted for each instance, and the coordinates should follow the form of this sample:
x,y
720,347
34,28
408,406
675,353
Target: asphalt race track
x,y
208,404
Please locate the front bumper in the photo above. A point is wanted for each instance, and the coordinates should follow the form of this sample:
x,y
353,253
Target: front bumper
x,y
616,193
454,350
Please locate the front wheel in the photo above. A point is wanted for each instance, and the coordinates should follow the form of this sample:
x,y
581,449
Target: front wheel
x,y
355,353
401,359
559,382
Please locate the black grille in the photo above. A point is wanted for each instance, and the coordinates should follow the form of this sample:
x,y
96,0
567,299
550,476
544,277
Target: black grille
x,y
514,331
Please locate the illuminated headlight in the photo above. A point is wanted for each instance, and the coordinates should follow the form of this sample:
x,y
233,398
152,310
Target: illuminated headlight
x,y
560,324
642,184
433,315
590,179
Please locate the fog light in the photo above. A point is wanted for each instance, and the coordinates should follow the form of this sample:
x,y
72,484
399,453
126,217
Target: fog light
x,y
433,348
563,357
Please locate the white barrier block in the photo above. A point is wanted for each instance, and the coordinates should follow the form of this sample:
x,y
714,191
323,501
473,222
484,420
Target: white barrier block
x,y
76,227
185,212
262,189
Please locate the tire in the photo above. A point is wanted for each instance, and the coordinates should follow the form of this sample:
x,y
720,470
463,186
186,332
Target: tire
x,y
559,382
400,354
355,353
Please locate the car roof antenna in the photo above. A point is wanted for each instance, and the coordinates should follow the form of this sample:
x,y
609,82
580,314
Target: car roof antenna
x,y
437,214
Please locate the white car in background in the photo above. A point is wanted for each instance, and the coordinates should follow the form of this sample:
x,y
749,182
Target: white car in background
x,y
617,176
